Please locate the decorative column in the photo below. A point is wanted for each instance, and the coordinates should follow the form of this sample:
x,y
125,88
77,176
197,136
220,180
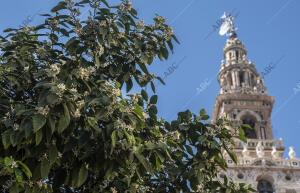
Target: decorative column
x,y
246,77
237,78
233,79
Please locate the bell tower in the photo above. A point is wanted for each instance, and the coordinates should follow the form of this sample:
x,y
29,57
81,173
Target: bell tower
x,y
243,99
243,96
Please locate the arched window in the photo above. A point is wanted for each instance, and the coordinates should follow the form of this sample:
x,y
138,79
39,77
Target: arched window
x,y
230,55
265,186
252,80
237,55
241,75
229,80
249,133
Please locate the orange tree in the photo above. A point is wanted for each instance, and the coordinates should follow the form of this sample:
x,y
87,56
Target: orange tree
x,y
65,125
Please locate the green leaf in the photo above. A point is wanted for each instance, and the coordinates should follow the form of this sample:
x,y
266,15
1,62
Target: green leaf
x,y
231,154
45,168
82,176
51,124
14,189
26,126
241,135
202,112
153,99
64,32
143,67
157,162
97,61
139,111
113,139
105,2
64,119
9,30
144,95
153,110
189,150
6,140
61,5
175,38
38,137
52,99
8,161
38,122
144,162
18,174
161,80
129,137
170,45
246,125
164,52
205,117
129,85
84,1
13,139
25,169
153,87
93,123
52,154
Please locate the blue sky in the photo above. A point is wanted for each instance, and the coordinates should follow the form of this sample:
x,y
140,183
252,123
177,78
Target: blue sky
x,y
269,30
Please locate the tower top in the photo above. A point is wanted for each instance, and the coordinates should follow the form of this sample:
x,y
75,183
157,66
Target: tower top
x,y
227,26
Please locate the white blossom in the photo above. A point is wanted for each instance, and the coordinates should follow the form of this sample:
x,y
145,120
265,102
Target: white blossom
x,y
54,69
85,73
63,62
86,93
16,126
116,92
121,34
129,5
40,184
141,24
103,65
101,49
73,90
80,103
103,23
77,113
43,110
41,52
176,135
144,114
61,87
134,148
54,23
113,190
13,164
91,69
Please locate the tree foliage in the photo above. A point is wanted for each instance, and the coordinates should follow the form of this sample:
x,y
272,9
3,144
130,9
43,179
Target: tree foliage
x,y
67,127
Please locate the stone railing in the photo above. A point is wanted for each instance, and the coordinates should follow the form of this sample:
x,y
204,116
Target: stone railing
x,y
267,143
266,162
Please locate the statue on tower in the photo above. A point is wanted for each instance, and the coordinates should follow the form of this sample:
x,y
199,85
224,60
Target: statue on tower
x,y
260,149
227,26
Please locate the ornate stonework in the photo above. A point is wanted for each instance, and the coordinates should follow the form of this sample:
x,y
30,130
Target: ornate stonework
x,y
243,99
